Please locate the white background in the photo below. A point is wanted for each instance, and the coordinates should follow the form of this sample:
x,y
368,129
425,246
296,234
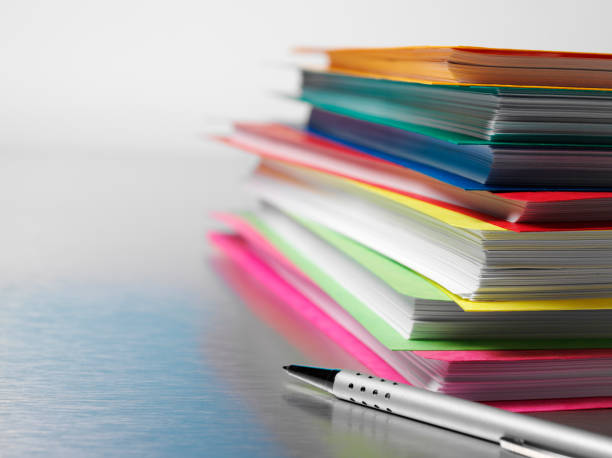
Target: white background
x,y
105,173
150,77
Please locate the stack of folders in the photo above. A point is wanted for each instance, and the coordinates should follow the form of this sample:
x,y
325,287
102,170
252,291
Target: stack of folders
x,y
446,217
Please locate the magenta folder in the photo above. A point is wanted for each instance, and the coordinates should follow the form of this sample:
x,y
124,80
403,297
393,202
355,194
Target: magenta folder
x,y
238,249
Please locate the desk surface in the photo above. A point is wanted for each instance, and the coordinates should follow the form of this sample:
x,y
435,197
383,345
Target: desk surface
x,y
122,333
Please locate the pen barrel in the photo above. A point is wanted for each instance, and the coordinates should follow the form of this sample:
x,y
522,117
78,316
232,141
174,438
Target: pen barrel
x,y
468,417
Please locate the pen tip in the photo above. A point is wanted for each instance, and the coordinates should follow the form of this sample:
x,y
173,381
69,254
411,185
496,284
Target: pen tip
x,y
285,367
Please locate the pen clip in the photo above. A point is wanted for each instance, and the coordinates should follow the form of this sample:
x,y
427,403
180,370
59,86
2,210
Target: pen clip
x,y
528,450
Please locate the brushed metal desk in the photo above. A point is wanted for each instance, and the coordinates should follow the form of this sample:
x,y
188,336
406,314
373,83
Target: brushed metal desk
x,y
121,335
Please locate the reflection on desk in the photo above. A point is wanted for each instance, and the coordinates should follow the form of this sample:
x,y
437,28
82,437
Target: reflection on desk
x,y
341,424
355,430
343,429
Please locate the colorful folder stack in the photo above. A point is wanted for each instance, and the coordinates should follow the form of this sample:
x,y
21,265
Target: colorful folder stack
x,y
446,217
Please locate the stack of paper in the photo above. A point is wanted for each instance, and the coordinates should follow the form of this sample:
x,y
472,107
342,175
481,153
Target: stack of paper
x,y
451,233
285,143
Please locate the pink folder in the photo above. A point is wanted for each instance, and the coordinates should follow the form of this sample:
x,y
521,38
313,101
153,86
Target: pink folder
x,y
238,250
323,147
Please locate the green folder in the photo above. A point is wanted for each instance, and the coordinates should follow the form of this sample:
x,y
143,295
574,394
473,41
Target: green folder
x,y
405,282
365,99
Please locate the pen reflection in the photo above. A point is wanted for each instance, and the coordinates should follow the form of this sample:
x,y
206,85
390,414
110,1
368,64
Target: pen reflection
x,y
356,430
315,421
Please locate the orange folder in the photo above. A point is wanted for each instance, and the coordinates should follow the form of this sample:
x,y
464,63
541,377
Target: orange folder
x,y
465,65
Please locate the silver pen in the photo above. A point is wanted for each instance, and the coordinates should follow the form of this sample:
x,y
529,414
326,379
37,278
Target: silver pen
x,y
520,434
